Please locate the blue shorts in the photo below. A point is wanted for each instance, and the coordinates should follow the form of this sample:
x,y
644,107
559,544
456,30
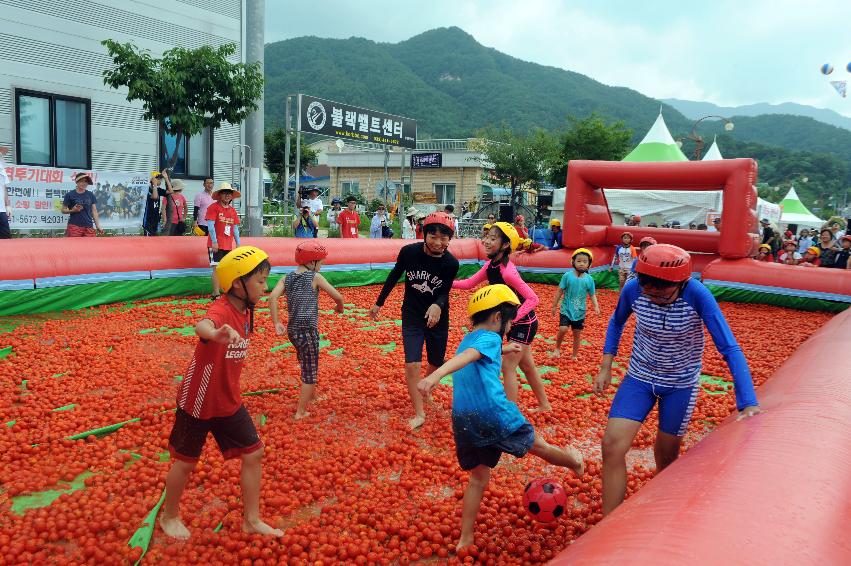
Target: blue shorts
x,y
635,399
517,444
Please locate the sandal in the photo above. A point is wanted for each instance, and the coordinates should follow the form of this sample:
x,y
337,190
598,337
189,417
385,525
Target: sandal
x,y
214,296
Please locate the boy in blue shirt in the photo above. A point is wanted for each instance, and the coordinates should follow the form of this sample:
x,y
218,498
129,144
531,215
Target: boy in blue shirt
x,y
671,310
575,284
484,422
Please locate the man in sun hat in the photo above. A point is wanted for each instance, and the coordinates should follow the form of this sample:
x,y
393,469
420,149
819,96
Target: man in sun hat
x,y
82,209
151,216
767,231
222,228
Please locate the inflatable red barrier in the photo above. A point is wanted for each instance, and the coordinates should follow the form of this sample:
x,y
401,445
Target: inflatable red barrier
x,y
788,278
33,258
773,489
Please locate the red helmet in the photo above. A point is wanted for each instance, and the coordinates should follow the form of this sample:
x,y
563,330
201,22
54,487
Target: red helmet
x,y
648,240
519,218
790,243
309,251
636,218
440,218
666,262
845,237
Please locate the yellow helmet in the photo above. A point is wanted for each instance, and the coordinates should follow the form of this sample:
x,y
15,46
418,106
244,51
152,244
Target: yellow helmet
x,y
238,263
491,296
555,222
198,231
486,227
814,250
578,251
510,232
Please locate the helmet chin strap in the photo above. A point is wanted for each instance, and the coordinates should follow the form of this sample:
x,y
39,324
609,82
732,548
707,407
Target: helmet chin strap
x,y
248,304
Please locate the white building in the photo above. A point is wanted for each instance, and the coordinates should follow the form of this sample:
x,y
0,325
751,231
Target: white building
x,y
54,107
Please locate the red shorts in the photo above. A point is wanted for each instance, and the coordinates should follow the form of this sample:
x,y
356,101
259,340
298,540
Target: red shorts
x,y
74,231
236,435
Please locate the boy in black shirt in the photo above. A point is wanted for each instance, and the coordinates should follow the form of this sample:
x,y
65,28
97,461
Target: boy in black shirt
x,y
151,217
429,271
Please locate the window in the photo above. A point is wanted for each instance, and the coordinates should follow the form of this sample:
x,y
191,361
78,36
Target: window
x,y
445,193
350,187
53,130
194,156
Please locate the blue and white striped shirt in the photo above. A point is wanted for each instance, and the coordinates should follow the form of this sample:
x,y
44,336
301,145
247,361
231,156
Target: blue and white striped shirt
x,y
668,344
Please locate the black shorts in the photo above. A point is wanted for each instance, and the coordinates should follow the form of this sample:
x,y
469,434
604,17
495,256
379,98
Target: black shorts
x,y
517,444
563,320
235,435
523,333
178,229
413,338
216,257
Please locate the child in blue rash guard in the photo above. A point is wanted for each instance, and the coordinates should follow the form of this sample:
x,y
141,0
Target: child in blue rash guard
x,y
670,312
484,422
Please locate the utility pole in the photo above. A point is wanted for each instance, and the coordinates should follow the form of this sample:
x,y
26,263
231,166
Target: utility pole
x,y
254,44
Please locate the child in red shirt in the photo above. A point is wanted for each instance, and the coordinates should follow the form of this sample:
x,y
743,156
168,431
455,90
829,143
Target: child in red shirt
x,y
349,219
764,253
208,400
222,228
811,257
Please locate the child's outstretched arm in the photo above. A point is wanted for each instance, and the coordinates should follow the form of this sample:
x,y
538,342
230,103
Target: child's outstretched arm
x,y
455,363
206,330
323,284
274,296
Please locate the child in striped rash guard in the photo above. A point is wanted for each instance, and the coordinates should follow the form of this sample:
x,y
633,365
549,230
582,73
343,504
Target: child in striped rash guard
x,y
670,311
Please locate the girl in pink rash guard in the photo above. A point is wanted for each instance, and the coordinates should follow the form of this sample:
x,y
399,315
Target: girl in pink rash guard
x,y
499,242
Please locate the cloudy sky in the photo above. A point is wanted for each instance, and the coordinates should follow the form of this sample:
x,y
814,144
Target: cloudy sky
x,y
729,52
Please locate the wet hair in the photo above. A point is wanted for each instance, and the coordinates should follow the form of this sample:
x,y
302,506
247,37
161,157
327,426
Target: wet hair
x,y
507,310
645,280
434,228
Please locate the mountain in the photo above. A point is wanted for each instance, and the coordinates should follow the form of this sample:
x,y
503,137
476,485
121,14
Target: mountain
x,y
453,86
695,110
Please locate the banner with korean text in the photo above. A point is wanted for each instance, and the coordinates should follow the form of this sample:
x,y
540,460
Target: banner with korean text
x,y
329,118
36,193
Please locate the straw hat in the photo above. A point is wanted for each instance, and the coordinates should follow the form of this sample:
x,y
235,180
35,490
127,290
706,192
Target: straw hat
x,y
225,186
86,176
412,211
177,185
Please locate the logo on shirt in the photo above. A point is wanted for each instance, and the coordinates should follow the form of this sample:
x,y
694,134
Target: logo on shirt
x,y
237,351
429,283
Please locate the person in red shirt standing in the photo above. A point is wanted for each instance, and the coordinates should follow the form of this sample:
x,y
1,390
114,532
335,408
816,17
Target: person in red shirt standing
x,y
349,219
209,401
222,228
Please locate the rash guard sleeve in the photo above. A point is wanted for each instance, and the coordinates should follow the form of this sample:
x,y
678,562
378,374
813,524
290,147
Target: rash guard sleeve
x,y
629,294
512,278
466,284
702,301
211,229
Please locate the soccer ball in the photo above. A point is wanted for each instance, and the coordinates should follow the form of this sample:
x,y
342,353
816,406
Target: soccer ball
x,y
545,499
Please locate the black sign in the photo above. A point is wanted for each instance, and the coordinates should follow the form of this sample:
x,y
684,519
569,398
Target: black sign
x,y
426,160
320,116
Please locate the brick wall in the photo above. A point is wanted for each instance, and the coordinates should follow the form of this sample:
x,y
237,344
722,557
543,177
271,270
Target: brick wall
x,y
465,179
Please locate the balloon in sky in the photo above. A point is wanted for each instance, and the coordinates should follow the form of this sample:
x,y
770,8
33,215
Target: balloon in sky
x,y
848,66
827,68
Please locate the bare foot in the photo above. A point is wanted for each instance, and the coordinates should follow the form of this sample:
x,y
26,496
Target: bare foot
x,y
574,357
465,541
301,415
579,466
554,353
174,527
259,527
416,422
541,409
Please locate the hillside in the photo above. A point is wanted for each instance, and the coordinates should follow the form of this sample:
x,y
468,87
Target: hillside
x,y
453,86
694,110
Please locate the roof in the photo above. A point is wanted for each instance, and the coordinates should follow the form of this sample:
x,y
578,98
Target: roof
x,y
657,145
794,210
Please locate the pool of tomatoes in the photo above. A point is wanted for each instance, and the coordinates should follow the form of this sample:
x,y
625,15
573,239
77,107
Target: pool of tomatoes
x,y
348,484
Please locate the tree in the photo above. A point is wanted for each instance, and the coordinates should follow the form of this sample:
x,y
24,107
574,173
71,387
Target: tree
x,y
275,143
590,138
187,90
515,159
